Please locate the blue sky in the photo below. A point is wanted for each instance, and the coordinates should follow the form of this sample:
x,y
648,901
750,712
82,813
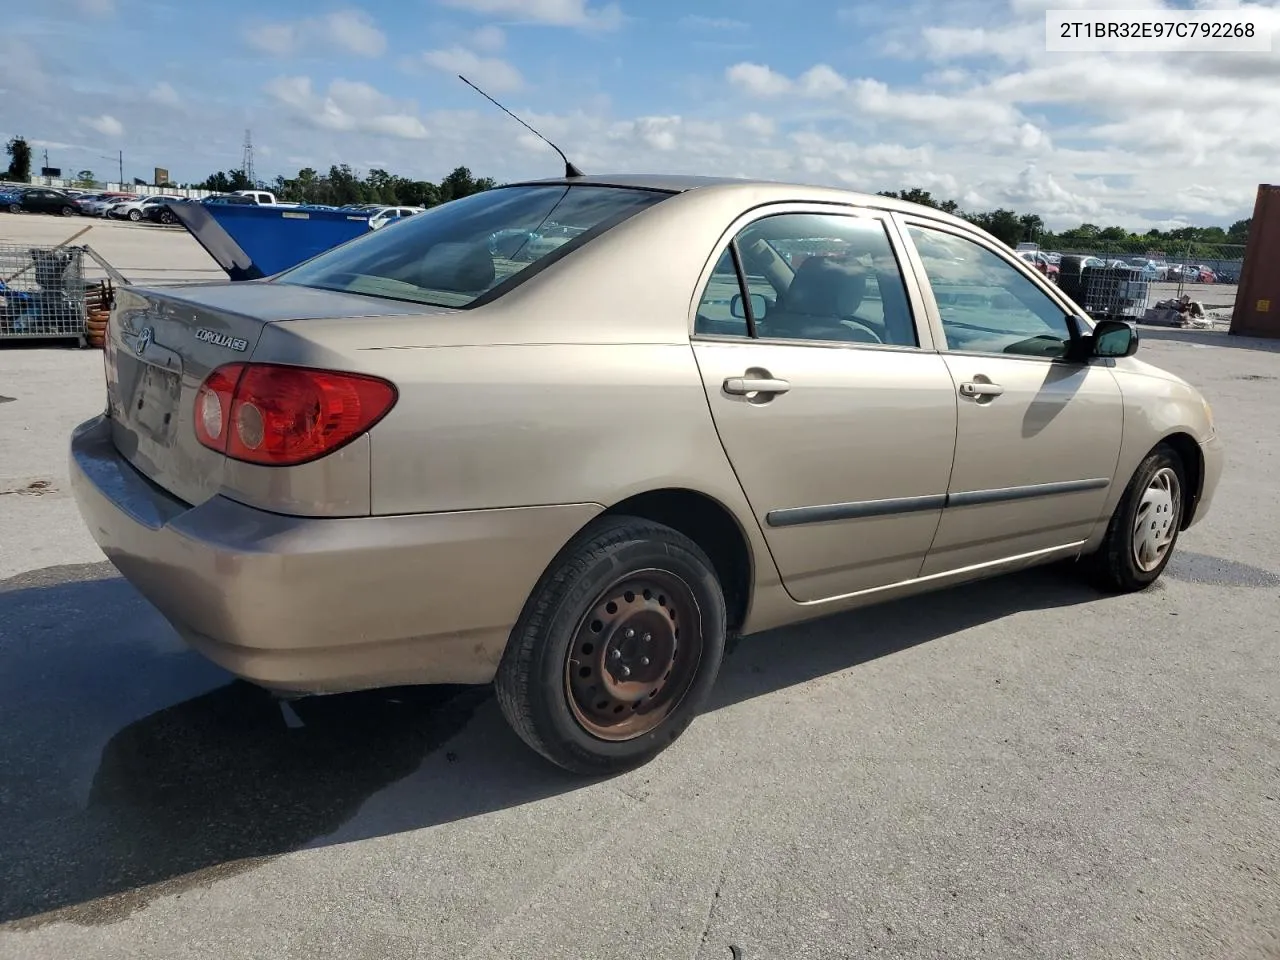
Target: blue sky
x,y
958,96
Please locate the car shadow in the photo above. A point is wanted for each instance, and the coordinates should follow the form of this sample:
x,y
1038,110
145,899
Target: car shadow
x,y
132,768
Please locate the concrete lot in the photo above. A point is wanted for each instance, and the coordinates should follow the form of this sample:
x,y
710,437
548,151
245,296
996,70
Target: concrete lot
x,y
1019,769
145,253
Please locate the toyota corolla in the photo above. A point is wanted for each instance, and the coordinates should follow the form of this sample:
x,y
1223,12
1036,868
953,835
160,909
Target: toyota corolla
x,y
433,455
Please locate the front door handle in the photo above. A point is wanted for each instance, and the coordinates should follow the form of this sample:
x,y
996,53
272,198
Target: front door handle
x,y
741,386
971,389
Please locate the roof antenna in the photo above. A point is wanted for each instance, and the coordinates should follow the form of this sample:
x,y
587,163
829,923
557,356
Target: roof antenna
x,y
570,171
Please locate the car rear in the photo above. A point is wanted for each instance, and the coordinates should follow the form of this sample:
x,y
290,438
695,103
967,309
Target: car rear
x,y
229,480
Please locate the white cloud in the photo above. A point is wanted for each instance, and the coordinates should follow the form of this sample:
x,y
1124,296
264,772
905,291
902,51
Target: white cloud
x,y
347,106
347,31
491,73
759,124
164,94
355,31
758,79
106,125
822,81
488,38
276,39
560,13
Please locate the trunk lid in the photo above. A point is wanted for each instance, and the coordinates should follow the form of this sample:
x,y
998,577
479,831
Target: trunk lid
x,y
162,345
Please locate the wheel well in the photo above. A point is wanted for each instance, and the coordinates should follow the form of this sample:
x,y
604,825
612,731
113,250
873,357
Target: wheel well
x,y
1189,453
710,525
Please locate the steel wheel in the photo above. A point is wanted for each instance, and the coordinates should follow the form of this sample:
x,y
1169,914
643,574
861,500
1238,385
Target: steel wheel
x,y
1155,524
634,655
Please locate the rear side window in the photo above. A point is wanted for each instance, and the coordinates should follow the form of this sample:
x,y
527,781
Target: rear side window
x,y
472,250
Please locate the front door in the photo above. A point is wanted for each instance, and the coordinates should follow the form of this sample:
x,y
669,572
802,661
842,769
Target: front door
x,y
836,413
1038,436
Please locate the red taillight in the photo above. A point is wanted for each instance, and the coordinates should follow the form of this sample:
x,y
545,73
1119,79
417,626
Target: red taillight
x,y
280,415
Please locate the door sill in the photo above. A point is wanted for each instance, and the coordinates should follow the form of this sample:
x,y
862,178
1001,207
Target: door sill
x,y
959,573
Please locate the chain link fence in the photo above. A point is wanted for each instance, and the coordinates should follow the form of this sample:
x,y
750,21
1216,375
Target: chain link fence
x,y
1208,274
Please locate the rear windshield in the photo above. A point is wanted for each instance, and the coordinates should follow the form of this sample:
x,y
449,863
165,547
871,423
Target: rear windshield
x,y
471,250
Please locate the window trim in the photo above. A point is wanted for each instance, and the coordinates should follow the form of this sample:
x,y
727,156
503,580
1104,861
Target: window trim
x,y
915,301
1071,313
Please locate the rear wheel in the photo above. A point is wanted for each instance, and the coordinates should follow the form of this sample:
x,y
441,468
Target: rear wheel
x,y
616,650
135,215
1144,528
68,211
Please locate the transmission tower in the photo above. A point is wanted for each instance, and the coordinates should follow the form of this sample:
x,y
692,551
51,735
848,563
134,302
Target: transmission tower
x,y
246,162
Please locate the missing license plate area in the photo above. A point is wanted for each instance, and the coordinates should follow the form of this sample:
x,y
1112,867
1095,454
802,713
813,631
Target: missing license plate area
x,y
156,403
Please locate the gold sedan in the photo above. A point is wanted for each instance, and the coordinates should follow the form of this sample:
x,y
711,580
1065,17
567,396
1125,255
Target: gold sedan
x,y
567,436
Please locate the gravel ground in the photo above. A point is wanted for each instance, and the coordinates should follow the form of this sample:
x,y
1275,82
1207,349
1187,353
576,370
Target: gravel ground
x,y
1019,768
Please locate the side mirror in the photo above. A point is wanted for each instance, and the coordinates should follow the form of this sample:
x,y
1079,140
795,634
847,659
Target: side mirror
x,y
1114,338
759,307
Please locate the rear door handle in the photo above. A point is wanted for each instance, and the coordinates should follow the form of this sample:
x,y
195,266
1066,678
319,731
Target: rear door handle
x,y
971,389
741,386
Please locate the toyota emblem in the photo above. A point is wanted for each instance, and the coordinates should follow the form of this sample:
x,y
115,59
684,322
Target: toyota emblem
x,y
145,337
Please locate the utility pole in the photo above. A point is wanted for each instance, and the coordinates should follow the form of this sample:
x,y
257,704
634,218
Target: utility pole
x,y
246,160
120,160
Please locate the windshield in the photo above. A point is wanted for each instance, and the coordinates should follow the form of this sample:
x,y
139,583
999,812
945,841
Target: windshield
x,y
471,250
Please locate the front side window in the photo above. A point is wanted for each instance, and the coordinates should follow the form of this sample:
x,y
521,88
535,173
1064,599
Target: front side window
x,y
807,276
457,253
986,304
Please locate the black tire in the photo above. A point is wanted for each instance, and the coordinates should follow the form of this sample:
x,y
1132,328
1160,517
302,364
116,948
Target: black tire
x,y
167,217
1115,567
15,208
537,686
135,216
68,211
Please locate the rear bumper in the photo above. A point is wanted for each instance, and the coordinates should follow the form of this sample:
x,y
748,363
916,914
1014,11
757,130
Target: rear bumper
x,y
321,605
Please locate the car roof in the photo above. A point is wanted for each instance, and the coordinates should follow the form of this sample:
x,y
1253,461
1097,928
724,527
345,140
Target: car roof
x,y
782,190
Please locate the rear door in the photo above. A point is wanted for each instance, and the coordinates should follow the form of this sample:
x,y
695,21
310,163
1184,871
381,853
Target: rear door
x,y
835,411
1038,436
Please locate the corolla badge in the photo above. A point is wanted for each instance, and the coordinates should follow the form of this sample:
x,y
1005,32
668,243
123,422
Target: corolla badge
x,y
146,336
238,344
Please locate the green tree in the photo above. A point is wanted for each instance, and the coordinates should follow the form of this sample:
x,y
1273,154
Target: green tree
x,y
1238,232
85,178
19,160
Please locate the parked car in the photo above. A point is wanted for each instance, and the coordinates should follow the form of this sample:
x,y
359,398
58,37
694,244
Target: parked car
x,y
231,198
381,216
97,206
47,200
157,209
11,199
135,208
592,469
1228,275
1043,264
1147,267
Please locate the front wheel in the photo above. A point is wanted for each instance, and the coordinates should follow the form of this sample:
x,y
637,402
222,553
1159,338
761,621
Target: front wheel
x,y
135,216
617,649
1144,528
